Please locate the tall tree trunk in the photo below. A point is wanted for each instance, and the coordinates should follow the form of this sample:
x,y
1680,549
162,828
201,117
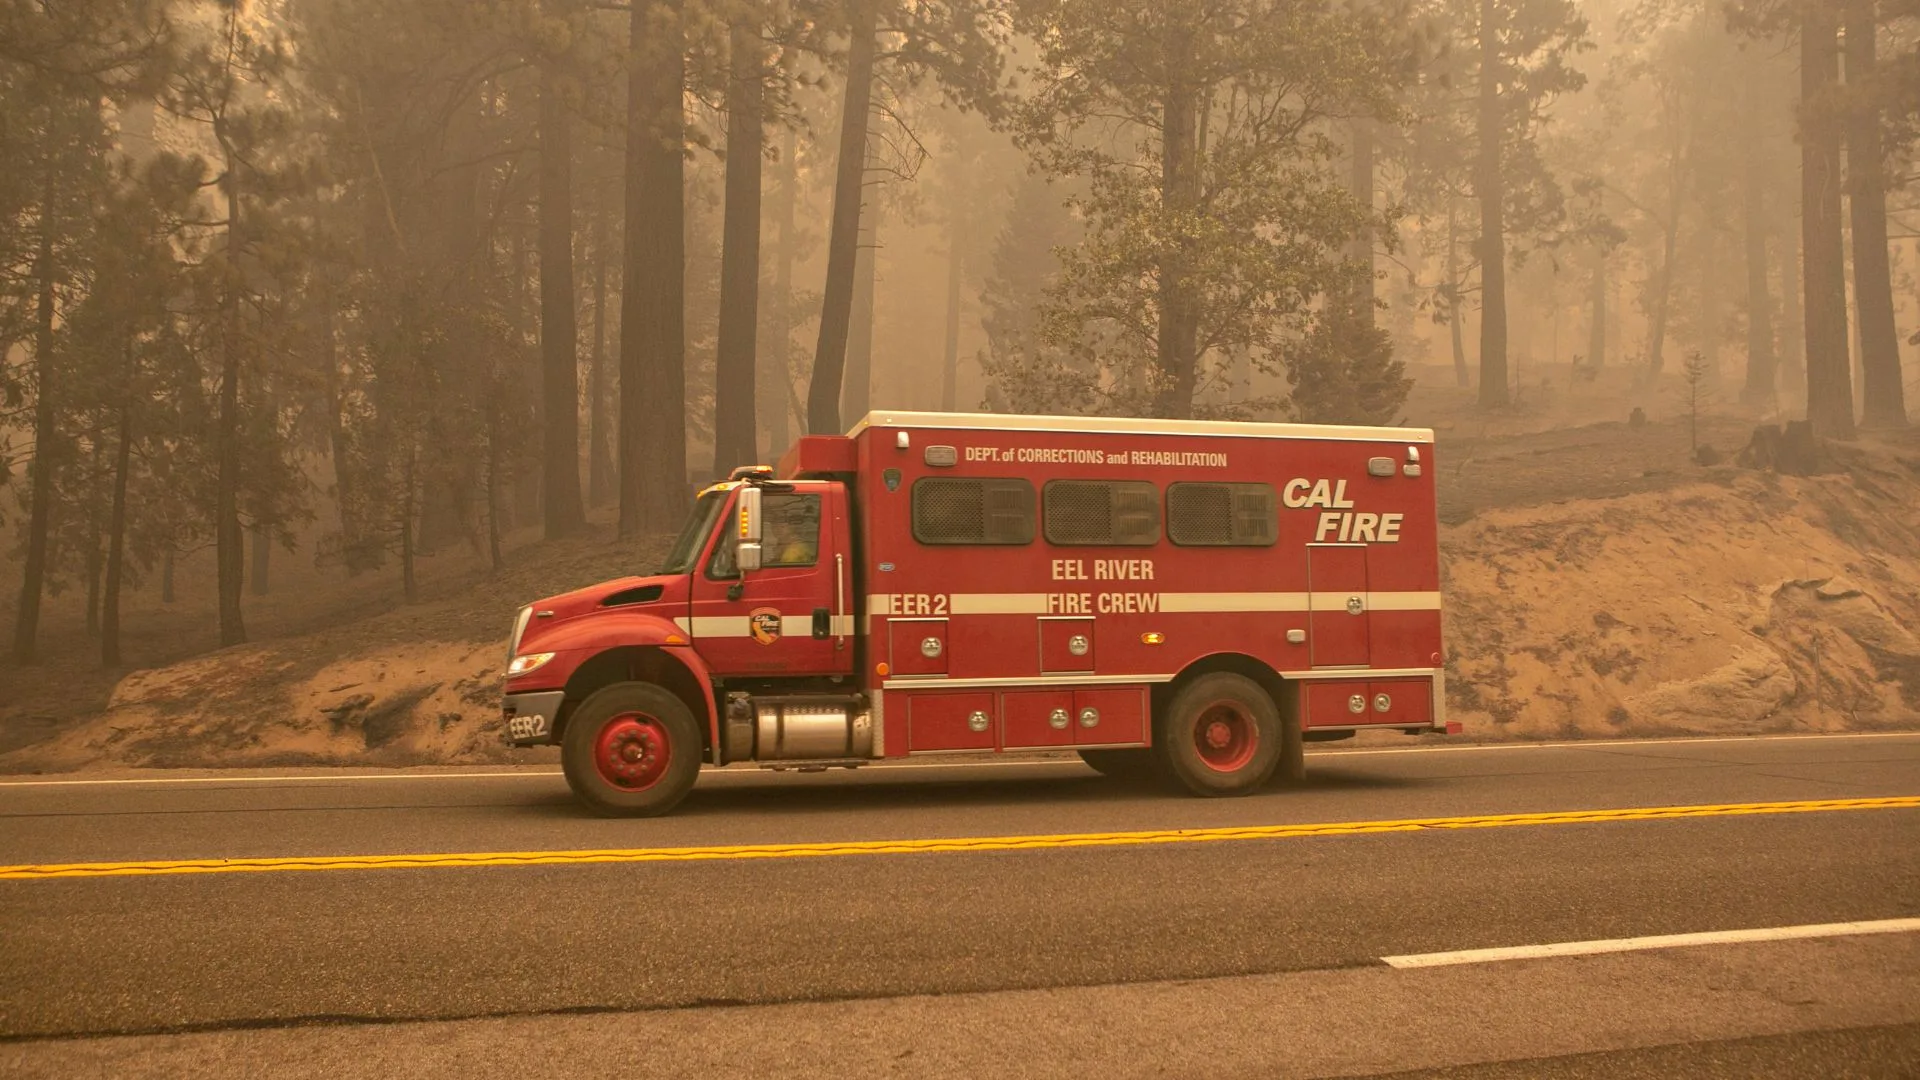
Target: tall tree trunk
x,y
1597,328
495,433
1793,339
1177,337
1711,313
857,395
734,441
1829,380
523,323
653,373
96,562
229,541
26,625
166,578
956,268
1462,377
409,512
777,379
1490,188
1885,404
463,247
117,532
843,237
1662,291
599,446
338,444
1361,179
562,511
262,549
1758,388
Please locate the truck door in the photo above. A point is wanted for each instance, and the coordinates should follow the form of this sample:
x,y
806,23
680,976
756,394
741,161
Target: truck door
x,y
1338,631
790,617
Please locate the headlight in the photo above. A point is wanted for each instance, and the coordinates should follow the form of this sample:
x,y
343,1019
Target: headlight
x,y
521,665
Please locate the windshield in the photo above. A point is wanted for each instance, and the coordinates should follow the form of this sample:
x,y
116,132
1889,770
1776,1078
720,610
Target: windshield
x,y
693,536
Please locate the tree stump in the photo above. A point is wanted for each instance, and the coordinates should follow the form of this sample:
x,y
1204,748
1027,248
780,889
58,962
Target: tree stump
x,y
1791,450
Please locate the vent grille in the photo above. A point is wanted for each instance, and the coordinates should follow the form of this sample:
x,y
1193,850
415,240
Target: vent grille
x,y
1095,512
1222,515
973,511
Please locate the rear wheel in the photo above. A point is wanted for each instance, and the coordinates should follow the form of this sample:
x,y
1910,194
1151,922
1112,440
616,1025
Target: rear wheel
x,y
1221,735
631,750
1120,764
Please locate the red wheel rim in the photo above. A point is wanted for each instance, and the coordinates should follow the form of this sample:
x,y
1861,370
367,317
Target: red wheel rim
x,y
632,751
1226,736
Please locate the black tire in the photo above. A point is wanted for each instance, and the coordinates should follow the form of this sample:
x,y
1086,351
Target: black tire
x,y
1221,735
1130,765
631,750
1291,769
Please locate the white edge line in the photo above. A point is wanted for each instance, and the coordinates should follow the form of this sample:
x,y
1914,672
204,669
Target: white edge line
x,y
1007,762
1584,744
1664,941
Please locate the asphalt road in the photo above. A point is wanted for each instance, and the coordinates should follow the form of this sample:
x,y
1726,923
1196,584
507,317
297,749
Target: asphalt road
x,y
1193,957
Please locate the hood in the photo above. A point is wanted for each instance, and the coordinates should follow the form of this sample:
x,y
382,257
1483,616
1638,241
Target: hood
x,y
619,593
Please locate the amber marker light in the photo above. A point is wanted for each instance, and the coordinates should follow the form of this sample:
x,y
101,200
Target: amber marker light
x,y
1152,637
676,639
881,669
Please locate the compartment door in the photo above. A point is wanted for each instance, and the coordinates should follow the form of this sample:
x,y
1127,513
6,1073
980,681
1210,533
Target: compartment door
x,y
1037,718
1066,644
1338,631
949,721
917,646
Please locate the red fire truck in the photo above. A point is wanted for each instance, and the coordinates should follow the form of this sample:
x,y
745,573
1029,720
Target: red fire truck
x,y
1189,598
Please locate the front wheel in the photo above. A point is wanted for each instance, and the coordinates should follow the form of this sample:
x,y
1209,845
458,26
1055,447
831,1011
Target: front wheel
x,y
1221,735
631,750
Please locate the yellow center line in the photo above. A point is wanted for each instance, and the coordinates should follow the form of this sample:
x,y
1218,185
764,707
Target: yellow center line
x,y
37,872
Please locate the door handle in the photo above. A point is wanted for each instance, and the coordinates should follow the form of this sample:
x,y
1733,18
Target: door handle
x,y
736,590
822,623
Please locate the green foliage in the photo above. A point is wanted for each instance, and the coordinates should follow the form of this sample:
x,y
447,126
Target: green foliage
x,y
1537,42
1343,371
1023,375
1212,220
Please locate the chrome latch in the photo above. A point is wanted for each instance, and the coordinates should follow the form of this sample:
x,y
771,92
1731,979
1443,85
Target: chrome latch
x,y
1355,605
977,720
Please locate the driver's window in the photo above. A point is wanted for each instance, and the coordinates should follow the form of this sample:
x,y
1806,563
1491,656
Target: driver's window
x,y
789,536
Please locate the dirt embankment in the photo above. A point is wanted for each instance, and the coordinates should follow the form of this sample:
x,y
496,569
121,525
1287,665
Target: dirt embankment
x,y
1741,602
413,686
1596,584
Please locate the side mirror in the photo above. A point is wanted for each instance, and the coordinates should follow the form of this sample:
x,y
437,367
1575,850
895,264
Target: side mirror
x,y
747,555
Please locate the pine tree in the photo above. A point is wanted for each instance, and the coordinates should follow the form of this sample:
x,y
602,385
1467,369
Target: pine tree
x,y
1213,223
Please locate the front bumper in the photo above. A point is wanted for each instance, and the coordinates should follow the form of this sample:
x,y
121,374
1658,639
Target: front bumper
x,y
531,717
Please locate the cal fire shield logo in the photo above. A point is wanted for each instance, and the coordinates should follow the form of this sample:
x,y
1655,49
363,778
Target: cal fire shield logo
x,y
765,624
